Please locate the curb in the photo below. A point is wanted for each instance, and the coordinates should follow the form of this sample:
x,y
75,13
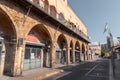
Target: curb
x,y
4,78
47,75
39,77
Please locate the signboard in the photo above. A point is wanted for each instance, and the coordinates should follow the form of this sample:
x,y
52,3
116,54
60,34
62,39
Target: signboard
x,y
32,56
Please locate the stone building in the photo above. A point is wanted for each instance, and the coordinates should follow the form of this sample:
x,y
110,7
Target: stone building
x,y
39,33
94,51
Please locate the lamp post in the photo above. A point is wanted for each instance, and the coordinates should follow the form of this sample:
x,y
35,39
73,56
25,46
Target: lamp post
x,y
112,54
112,49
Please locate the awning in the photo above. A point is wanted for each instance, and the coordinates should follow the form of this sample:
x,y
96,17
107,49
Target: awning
x,y
58,49
35,44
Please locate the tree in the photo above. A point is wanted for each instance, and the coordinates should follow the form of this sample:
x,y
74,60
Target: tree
x,y
102,53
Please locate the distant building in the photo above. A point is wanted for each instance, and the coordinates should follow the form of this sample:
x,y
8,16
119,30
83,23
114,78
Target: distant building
x,y
117,49
94,50
104,47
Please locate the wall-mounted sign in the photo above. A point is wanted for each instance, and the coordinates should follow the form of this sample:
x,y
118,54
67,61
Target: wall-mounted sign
x,y
20,41
32,56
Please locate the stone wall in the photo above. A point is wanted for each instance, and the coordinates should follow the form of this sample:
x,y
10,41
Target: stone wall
x,y
21,25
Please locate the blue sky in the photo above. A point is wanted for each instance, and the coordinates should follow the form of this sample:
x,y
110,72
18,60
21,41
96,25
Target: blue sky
x,y
95,13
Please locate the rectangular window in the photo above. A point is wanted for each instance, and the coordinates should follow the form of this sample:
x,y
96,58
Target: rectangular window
x,y
27,53
32,57
38,54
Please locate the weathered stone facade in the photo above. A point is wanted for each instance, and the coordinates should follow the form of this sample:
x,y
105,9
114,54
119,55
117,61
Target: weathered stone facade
x,y
15,26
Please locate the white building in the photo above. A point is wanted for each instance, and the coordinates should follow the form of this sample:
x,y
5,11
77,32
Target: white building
x,y
94,51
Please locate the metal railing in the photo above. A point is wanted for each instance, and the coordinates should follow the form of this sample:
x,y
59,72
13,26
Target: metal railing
x,y
51,11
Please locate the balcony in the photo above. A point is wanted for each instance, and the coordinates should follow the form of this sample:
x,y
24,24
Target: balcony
x,y
49,13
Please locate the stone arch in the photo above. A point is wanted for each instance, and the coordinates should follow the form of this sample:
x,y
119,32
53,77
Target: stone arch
x,y
71,51
71,44
77,45
83,48
62,38
4,11
40,27
61,49
40,37
8,32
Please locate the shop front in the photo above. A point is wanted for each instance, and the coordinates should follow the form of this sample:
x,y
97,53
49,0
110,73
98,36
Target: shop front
x,y
77,52
60,56
77,56
61,50
71,56
33,57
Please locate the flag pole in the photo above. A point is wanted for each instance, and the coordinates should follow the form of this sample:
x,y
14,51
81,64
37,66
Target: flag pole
x,y
112,49
112,53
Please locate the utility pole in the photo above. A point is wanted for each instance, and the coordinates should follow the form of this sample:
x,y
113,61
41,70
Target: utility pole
x,y
112,49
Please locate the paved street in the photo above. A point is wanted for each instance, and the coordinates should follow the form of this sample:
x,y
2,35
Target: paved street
x,y
98,70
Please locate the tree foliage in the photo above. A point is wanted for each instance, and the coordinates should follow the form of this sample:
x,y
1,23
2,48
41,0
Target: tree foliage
x,y
102,53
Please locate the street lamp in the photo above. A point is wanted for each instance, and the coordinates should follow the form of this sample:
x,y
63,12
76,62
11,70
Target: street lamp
x,y
112,52
112,49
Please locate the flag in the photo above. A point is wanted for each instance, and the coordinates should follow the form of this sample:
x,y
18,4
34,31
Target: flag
x,y
106,27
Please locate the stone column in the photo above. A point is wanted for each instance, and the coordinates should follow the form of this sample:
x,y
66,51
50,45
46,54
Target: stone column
x,y
19,58
73,53
87,56
52,55
82,56
41,58
18,61
68,55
